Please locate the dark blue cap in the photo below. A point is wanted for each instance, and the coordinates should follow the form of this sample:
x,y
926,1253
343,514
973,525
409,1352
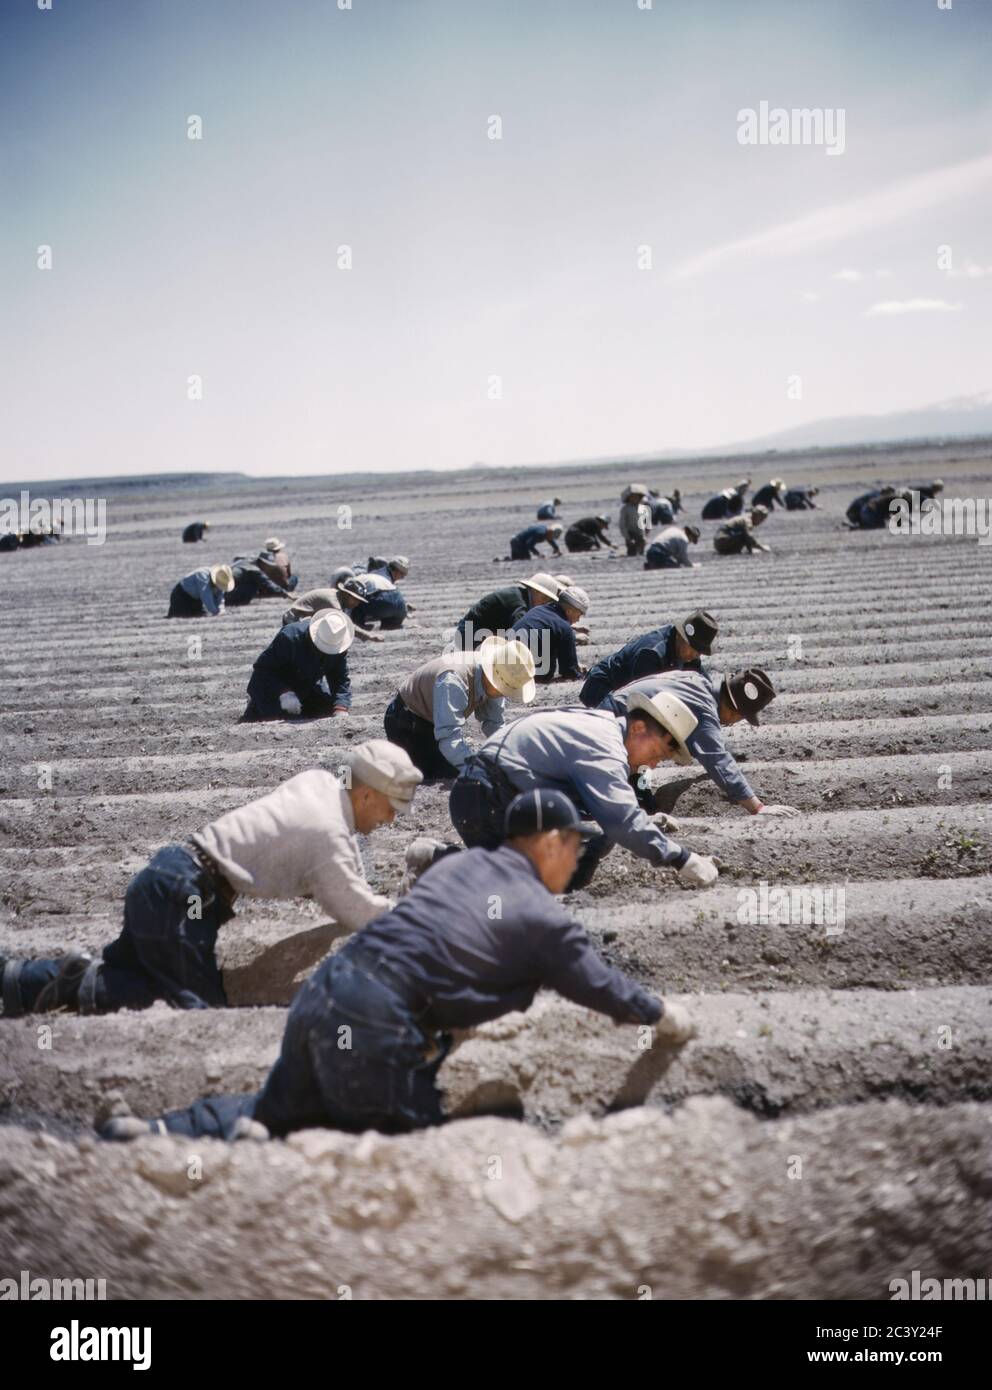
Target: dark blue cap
x,y
530,813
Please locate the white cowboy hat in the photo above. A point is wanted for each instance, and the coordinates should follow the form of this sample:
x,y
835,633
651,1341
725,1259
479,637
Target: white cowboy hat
x,y
542,583
510,667
274,543
331,632
222,578
672,714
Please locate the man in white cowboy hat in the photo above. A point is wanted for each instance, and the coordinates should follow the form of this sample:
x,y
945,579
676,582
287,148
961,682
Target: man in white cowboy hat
x,y
635,517
496,612
729,502
769,494
591,756
548,630
740,695
303,670
298,841
345,595
523,546
201,593
428,714
738,535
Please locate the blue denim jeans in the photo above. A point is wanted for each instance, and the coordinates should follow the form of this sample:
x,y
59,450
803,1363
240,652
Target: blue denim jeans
x,y
161,953
386,607
355,1056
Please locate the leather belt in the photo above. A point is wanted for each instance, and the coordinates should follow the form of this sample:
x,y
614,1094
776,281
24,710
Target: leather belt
x,y
222,887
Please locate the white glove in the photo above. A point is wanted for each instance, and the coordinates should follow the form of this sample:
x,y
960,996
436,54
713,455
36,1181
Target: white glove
x,y
289,703
675,1025
778,811
667,823
698,869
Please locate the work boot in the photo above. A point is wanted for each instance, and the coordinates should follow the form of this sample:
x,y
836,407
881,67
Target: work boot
x,y
123,1128
63,991
11,1004
420,855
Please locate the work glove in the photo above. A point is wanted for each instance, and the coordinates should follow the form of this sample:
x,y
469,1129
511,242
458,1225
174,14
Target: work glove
x,y
778,811
289,703
666,823
698,870
675,1026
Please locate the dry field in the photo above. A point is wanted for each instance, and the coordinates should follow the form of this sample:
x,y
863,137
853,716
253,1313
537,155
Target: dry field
x,y
827,1132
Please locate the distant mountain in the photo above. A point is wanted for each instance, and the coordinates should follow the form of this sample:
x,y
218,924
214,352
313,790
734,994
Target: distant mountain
x,y
961,415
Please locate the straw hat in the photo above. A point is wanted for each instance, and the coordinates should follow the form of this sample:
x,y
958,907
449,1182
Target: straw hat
x,y
331,632
674,716
274,543
510,667
542,583
222,578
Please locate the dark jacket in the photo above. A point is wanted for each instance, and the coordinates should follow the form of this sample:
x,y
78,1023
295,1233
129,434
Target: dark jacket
x,y
495,612
292,662
646,655
551,639
473,963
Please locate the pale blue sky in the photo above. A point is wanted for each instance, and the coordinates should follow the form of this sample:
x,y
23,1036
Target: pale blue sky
x,y
476,258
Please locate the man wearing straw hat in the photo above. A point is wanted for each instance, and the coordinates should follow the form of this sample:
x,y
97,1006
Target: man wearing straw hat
x,y
591,756
428,714
729,502
523,546
303,671
298,841
196,531
274,561
769,494
496,612
201,593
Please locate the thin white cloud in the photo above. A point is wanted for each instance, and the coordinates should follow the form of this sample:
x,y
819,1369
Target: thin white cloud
x,y
842,220
911,306
809,296
851,276
971,271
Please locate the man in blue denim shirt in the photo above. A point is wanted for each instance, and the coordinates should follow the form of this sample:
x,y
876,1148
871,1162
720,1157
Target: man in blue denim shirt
x,y
672,647
366,1035
548,630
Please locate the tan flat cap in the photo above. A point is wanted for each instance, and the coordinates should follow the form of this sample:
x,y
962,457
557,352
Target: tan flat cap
x,y
386,768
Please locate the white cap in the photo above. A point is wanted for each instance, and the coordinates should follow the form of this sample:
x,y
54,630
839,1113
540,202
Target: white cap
x,y
386,768
672,714
510,667
555,528
575,598
399,562
331,631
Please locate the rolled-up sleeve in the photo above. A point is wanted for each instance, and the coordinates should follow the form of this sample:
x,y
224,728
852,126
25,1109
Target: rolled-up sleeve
x,y
606,793
706,745
341,888
450,705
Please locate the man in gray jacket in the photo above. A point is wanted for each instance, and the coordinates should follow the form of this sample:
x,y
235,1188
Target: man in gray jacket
x,y
299,841
590,756
742,695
